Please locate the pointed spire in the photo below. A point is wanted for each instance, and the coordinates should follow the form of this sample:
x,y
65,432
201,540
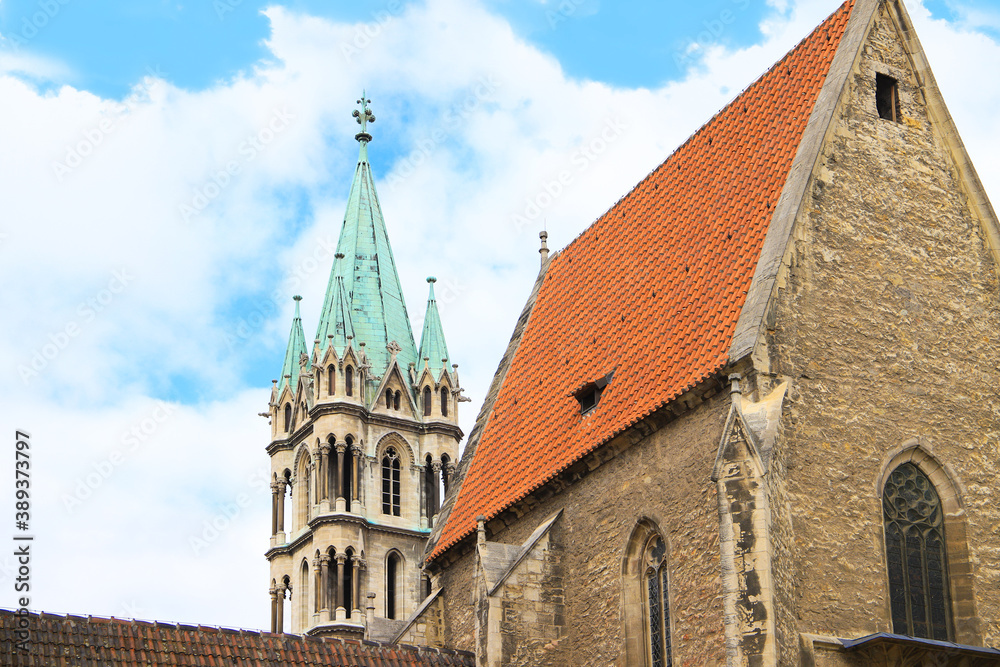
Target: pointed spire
x,y
335,325
432,345
296,348
368,271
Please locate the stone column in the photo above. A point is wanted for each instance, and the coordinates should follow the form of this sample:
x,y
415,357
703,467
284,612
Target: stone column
x,y
324,601
318,590
356,593
424,500
279,623
356,472
341,611
436,490
370,613
341,503
274,508
325,472
274,609
282,485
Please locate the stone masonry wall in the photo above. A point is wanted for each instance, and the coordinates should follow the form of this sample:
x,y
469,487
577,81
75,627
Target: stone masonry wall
x,y
886,326
665,478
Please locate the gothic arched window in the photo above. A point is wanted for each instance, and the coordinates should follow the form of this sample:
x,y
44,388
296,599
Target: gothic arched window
x,y
915,555
349,381
427,401
331,380
388,399
444,401
657,602
390,482
395,401
288,416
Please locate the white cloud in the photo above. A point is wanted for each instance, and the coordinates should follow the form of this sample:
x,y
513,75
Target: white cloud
x,y
482,124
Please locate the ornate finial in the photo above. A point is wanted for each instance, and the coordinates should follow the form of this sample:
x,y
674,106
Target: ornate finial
x,y
297,298
432,279
544,250
364,116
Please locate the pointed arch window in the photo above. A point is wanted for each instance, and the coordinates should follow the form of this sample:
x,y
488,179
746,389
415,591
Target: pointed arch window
x,y
395,401
427,401
657,603
349,381
331,380
390,482
444,401
288,416
388,399
915,555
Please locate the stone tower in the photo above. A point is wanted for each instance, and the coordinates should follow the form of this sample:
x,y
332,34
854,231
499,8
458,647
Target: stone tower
x,y
364,436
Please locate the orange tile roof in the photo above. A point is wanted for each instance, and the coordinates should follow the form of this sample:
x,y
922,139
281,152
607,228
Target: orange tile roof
x,y
77,641
652,289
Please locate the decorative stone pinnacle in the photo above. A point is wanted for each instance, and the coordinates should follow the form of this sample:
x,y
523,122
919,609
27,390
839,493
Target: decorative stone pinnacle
x,y
544,250
297,298
363,116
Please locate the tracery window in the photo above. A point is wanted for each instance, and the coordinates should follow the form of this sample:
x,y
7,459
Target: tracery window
x,y
915,555
657,602
390,482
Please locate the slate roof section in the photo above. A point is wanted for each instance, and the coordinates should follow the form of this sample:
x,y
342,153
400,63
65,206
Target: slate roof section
x,y
296,348
88,641
368,270
652,290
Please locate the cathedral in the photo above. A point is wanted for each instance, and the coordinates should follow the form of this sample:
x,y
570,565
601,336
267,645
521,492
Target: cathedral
x,y
748,417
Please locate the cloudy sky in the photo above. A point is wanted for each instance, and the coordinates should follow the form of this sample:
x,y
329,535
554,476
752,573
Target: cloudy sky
x,y
171,175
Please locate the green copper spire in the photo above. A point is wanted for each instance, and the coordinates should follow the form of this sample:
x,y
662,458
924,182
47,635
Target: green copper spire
x,y
432,345
368,270
335,324
296,348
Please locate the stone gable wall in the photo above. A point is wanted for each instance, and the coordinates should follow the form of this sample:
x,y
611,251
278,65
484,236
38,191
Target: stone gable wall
x,y
886,326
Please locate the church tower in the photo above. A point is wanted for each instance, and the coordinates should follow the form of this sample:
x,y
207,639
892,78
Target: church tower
x,y
364,437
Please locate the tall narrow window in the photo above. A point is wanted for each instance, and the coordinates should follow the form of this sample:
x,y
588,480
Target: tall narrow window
x,y
915,555
347,481
348,582
658,603
391,569
444,401
427,401
303,597
349,381
331,380
288,416
388,399
390,482
887,97
395,401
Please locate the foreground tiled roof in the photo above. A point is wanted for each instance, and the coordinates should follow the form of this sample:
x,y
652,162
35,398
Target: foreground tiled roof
x,y
652,290
84,641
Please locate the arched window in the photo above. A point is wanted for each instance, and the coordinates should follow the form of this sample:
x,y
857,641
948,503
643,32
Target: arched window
x,y
390,482
391,574
288,416
915,555
395,401
427,401
347,480
444,401
657,603
303,602
388,399
331,380
349,381
349,581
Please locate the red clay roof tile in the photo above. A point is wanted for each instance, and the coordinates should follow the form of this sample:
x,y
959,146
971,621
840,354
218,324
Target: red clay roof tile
x,y
691,232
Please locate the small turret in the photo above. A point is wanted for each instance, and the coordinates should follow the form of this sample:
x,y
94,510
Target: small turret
x,y
433,348
296,348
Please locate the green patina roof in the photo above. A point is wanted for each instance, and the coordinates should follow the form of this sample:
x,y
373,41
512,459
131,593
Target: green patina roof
x,y
296,348
432,345
335,319
368,271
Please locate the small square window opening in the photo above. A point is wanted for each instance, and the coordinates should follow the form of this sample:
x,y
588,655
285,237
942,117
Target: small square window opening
x,y
887,97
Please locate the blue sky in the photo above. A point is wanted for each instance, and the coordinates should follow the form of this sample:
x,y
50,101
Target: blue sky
x,y
478,104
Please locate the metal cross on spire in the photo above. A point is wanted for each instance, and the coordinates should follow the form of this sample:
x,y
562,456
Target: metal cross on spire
x,y
364,116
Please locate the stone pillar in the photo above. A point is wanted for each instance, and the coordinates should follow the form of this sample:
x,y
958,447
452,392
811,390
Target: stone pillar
x,y
274,609
341,503
356,597
279,623
282,485
325,470
274,508
341,611
356,472
424,500
324,597
369,613
436,490
318,590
